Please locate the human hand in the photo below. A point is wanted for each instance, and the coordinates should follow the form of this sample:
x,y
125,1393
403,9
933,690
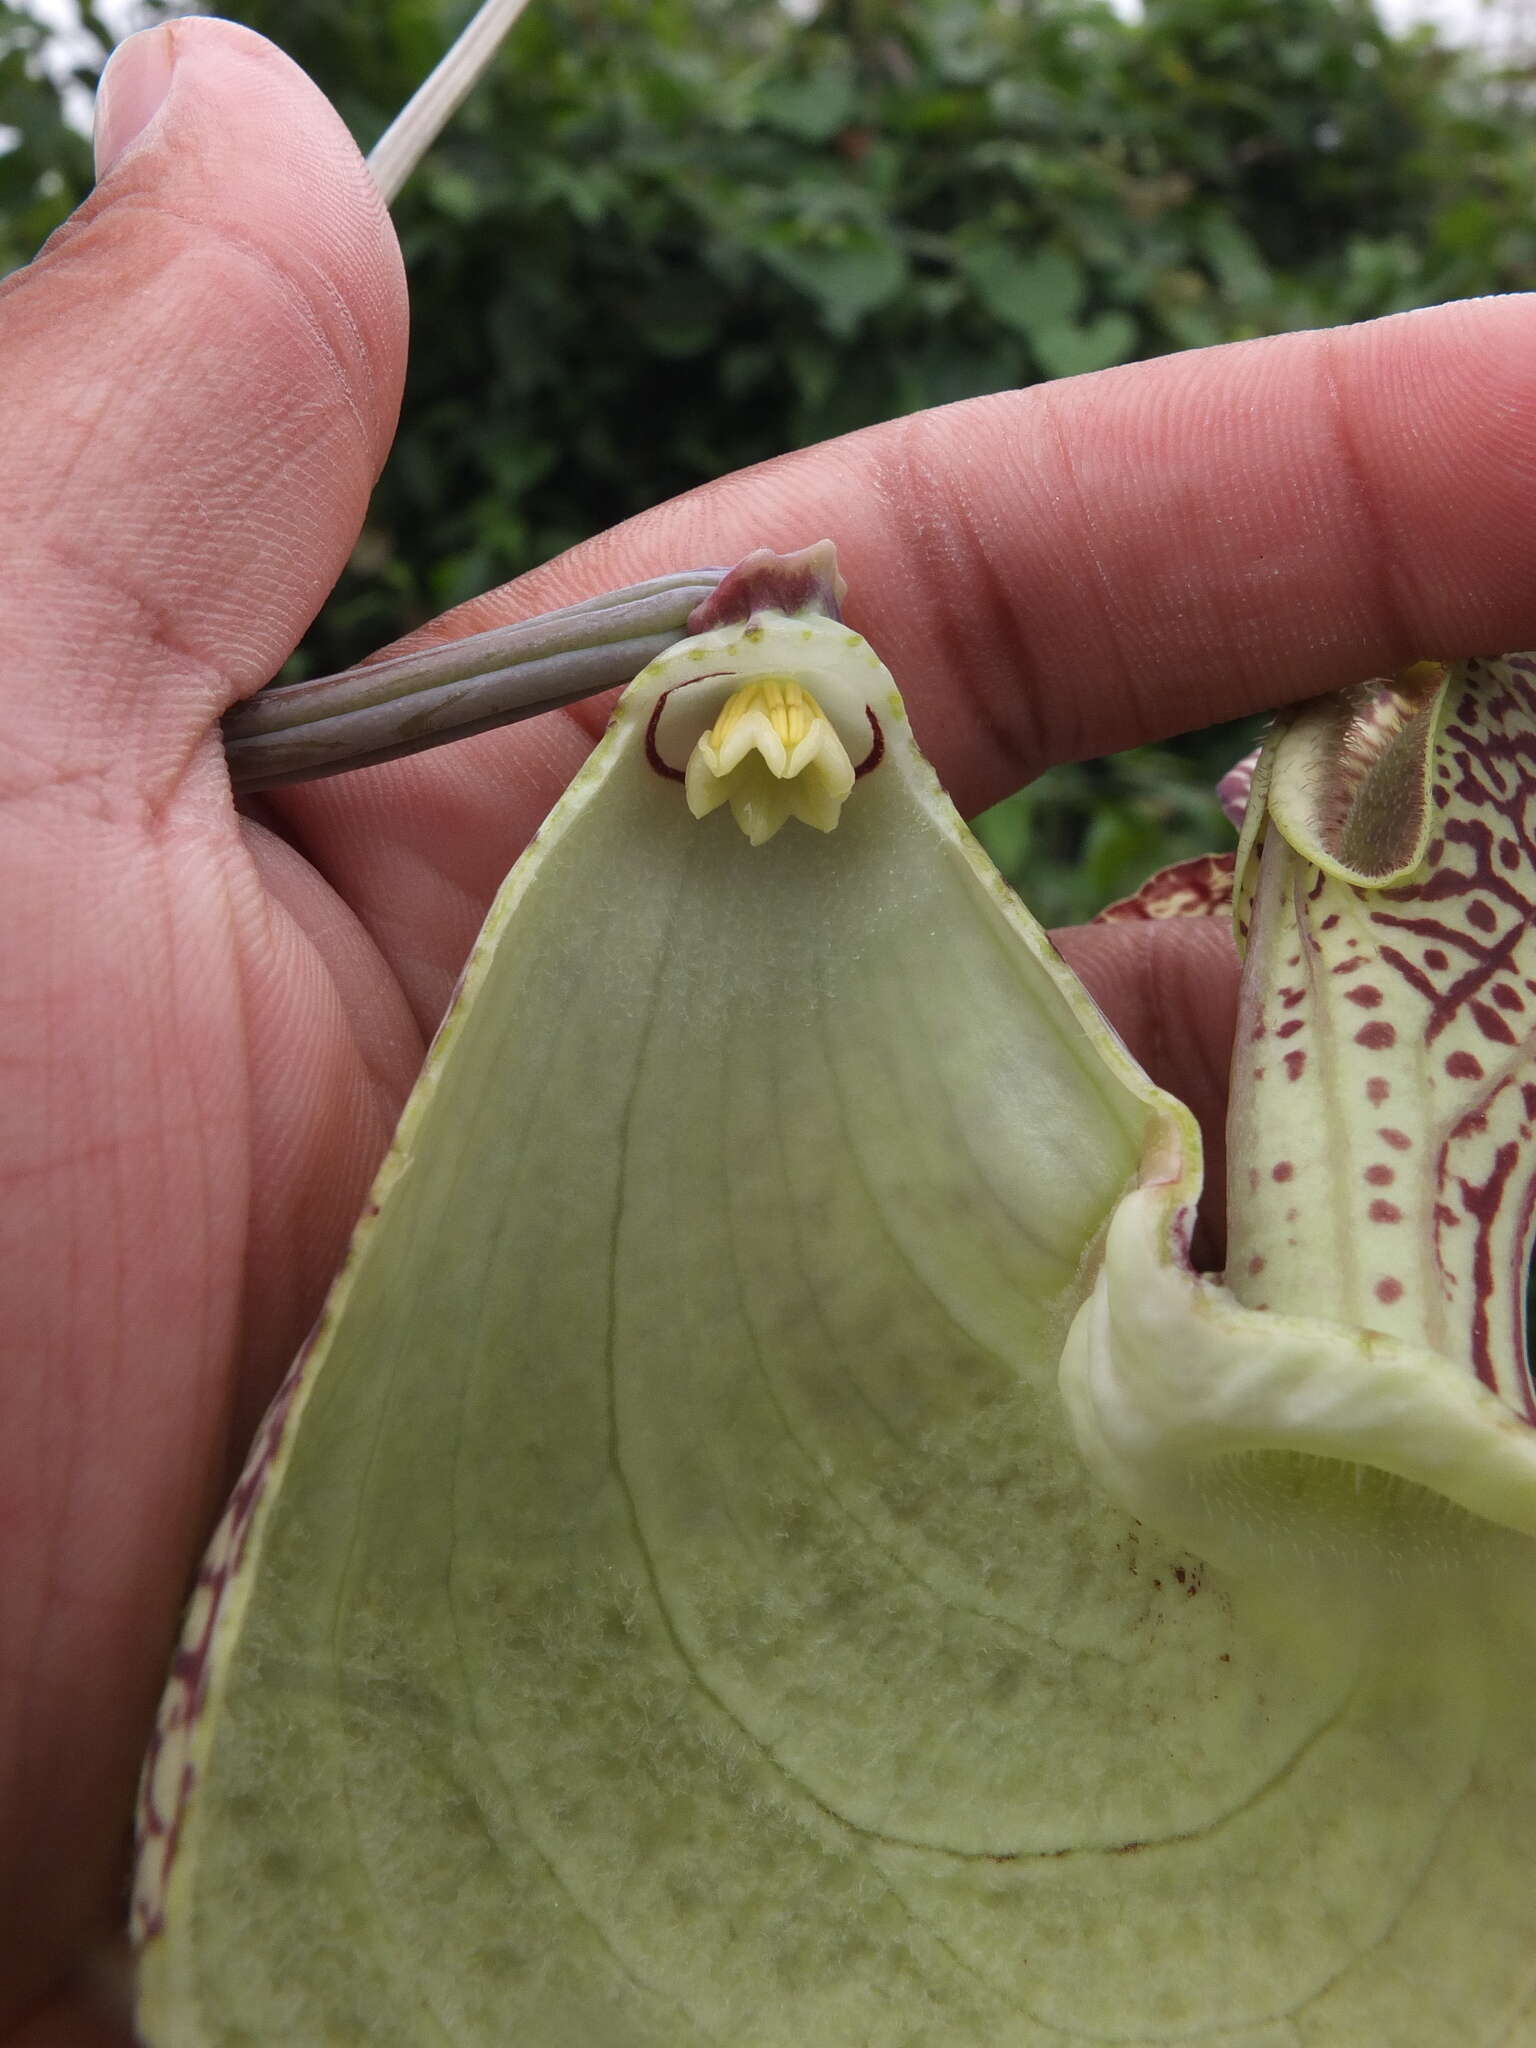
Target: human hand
x,y
212,1019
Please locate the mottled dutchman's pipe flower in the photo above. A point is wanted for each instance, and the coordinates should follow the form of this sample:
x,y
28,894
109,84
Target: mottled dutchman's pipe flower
x,y
773,1541
1383,1100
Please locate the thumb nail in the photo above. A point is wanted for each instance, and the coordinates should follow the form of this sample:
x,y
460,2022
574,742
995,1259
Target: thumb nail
x,y
132,90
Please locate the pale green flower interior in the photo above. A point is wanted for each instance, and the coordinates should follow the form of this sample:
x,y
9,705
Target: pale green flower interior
x,y
679,1610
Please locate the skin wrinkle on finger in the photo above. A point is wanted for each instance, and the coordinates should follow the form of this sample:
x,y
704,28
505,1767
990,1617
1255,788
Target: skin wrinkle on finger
x,y
938,526
1074,506
1389,600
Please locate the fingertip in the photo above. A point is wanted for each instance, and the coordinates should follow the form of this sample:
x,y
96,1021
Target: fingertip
x,y
209,120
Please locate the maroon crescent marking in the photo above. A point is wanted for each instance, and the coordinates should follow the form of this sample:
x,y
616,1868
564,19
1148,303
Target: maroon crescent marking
x,y
876,753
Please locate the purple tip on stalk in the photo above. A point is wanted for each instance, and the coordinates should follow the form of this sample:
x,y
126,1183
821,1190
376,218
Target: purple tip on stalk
x,y
804,582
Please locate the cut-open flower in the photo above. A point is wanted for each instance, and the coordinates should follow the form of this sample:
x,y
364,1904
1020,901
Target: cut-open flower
x,y
672,1602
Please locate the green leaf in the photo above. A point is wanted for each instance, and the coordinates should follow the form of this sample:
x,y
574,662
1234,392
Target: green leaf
x,y
812,108
850,273
1240,270
1041,291
1070,351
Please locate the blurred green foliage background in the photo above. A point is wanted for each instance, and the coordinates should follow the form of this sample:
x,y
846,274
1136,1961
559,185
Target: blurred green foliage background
x,y
671,237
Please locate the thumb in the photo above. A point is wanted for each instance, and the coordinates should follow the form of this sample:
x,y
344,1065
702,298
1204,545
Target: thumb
x,y
204,370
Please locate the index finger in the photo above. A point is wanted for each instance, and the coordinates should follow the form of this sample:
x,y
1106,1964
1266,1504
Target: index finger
x,y
1066,570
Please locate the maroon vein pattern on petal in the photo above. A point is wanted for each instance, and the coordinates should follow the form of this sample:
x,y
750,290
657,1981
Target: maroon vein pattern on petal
x,y
1201,887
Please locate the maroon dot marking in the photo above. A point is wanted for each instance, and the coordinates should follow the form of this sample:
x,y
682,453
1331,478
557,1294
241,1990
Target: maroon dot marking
x,y
1435,959
1291,1026
1377,1089
1290,997
1350,966
1294,961
1329,921
1258,1073
1509,853
1464,1066
1435,851
1377,1035
1481,914
1441,796
1398,1140
1294,1062
1282,1170
1365,994
1389,1290
1506,997
1256,1263
1490,1023
1384,1212
1380,1176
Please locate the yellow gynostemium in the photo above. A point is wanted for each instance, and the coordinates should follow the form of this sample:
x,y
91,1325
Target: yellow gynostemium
x,y
718,1573
772,754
